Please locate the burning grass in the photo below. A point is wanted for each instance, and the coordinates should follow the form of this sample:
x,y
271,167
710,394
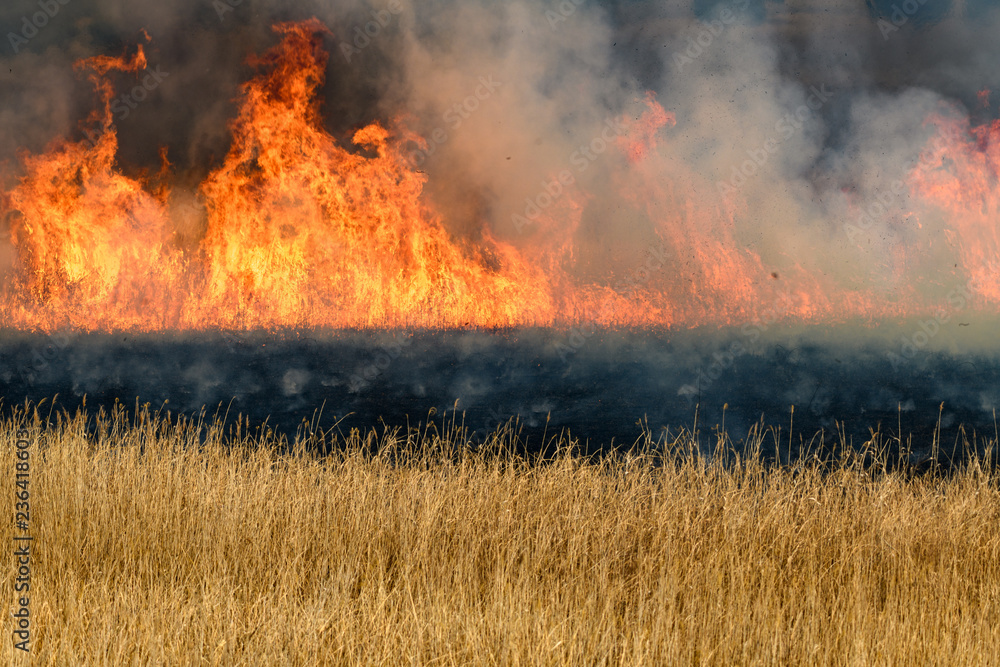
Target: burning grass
x,y
166,543
297,229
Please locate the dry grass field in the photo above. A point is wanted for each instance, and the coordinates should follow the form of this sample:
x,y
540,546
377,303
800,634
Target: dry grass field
x,y
162,543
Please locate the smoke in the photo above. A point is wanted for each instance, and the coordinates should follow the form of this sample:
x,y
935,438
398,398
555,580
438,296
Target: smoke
x,y
793,129
792,119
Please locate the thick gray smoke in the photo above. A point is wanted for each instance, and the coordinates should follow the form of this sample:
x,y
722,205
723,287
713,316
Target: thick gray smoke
x,y
827,100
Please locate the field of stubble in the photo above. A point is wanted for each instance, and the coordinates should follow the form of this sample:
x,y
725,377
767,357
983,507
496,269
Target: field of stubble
x,y
159,542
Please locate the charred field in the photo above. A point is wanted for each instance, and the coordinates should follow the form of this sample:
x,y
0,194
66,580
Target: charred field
x,y
604,387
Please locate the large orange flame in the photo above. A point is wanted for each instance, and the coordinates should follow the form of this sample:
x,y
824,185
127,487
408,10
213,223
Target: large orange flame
x,y
301,231
92,242
960,174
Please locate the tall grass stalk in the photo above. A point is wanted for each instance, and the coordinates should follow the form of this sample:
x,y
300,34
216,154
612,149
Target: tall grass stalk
x,y
165,541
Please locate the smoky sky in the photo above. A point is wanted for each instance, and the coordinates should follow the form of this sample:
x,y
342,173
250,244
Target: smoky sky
x,y
559,72
943,46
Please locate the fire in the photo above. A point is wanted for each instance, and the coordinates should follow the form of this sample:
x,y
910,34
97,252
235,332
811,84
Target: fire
x,y
302,232
93,243
960,175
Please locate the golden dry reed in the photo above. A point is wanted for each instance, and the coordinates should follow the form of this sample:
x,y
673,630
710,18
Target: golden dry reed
x,y
160,542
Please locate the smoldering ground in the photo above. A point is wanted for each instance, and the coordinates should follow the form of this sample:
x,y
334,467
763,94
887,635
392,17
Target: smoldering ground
x,y
895,380
729,72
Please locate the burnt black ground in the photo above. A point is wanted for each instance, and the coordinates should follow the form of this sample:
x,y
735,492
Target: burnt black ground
x,y
597,384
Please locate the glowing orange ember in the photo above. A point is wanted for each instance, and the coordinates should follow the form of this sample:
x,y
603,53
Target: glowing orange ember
x,y
301,231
